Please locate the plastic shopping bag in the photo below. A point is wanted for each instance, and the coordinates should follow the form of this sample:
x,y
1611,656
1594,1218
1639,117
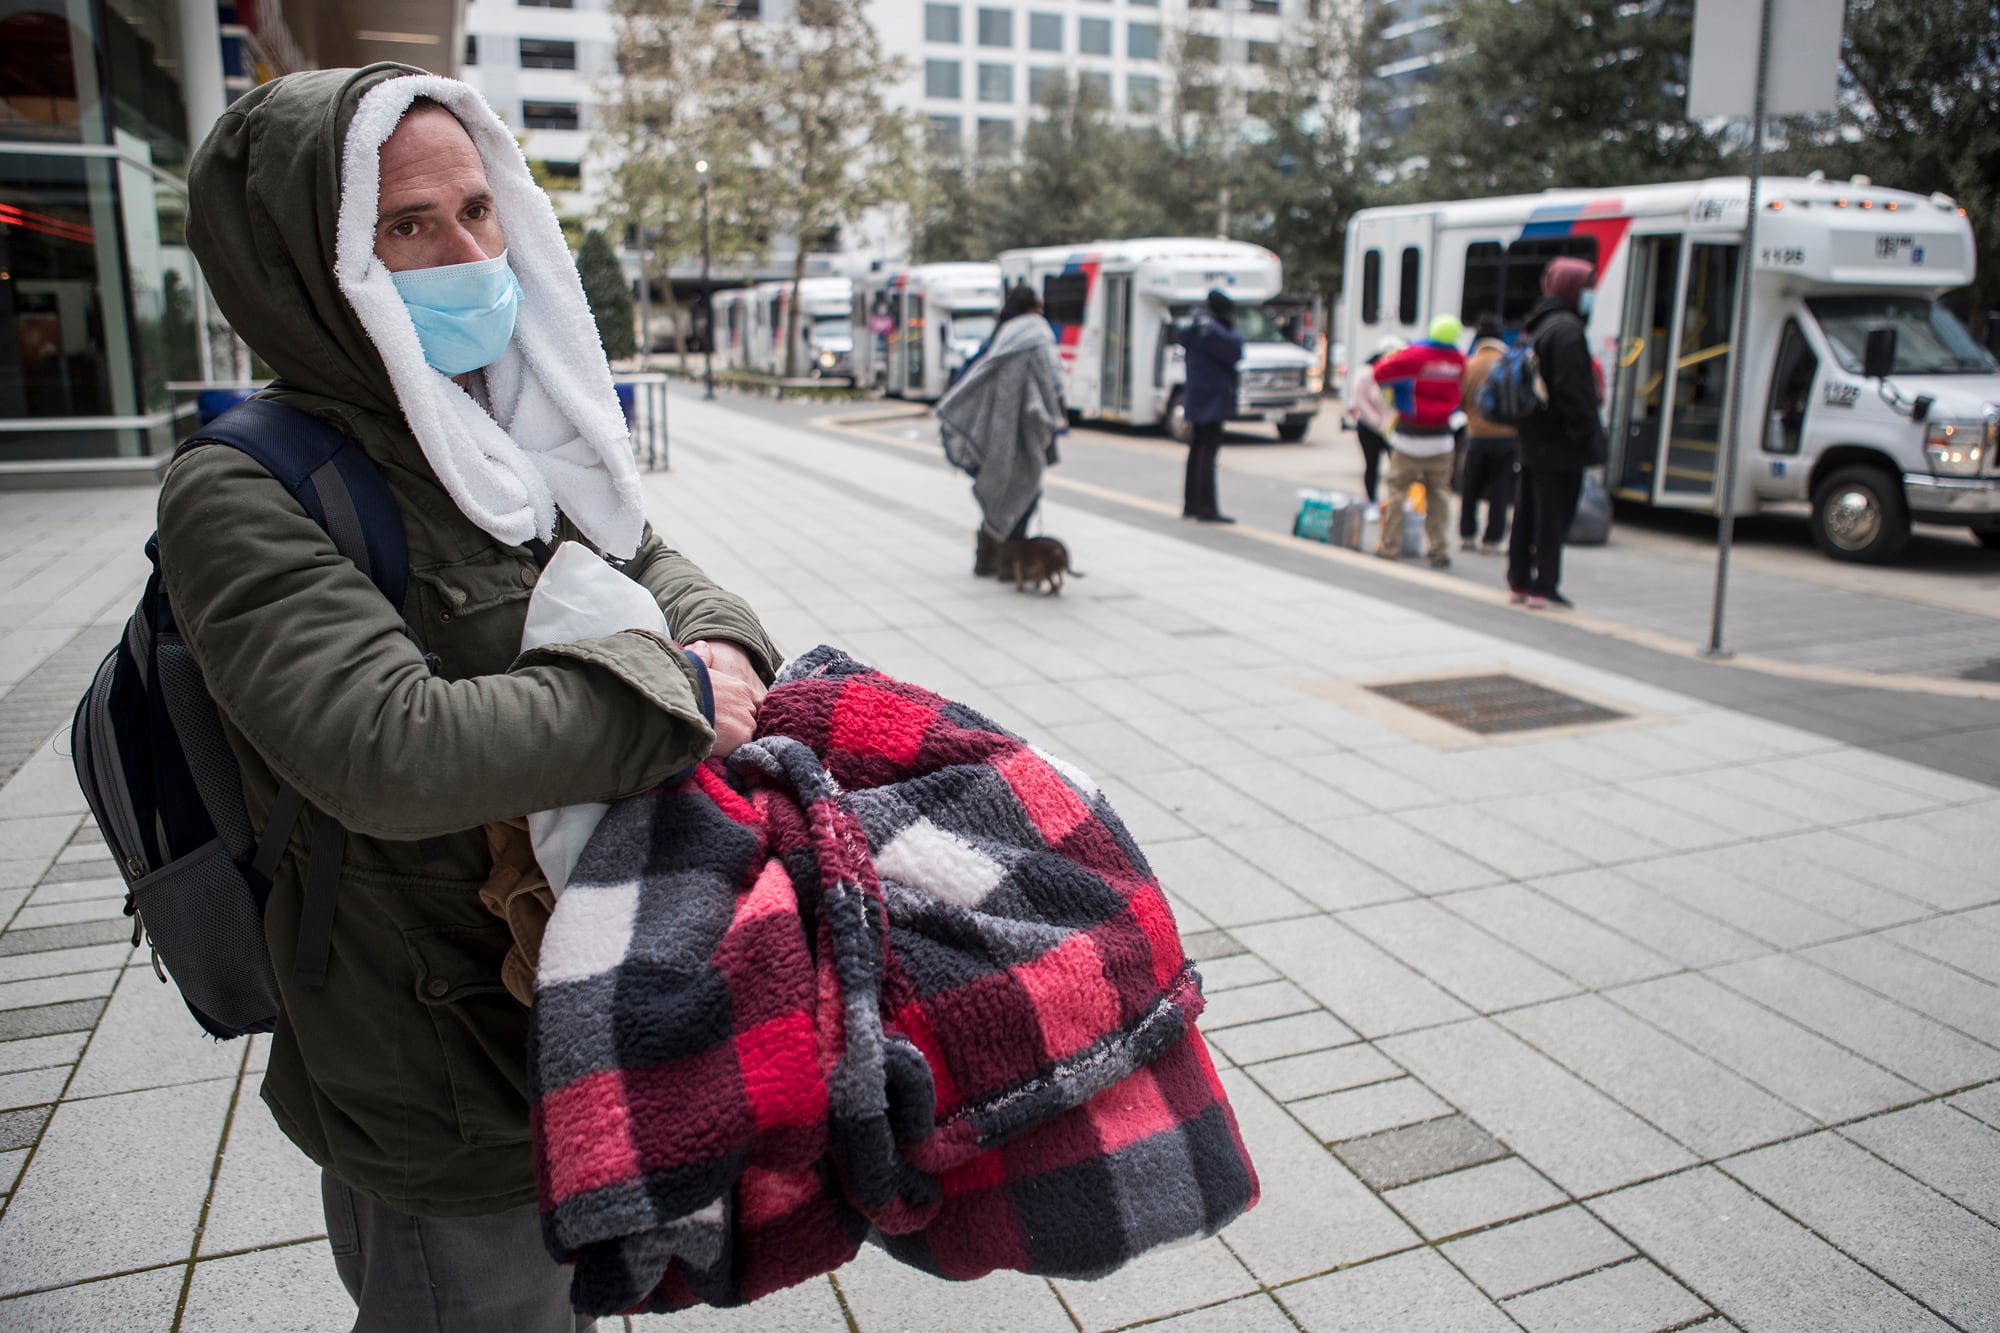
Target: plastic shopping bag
x,y
579,596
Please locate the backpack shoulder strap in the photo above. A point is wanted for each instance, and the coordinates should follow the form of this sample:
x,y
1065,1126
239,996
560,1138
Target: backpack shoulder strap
x,y
332,477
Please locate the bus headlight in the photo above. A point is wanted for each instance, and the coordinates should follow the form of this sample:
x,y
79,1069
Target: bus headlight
x,y
826,360
1956,448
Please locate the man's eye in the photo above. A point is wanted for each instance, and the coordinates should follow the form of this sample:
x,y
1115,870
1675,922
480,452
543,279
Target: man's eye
x,y
477,212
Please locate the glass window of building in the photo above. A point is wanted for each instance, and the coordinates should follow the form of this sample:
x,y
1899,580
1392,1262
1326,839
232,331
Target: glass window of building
x,y
942,80
550,116
996,27
996,83
1045,32
558,175
941,23
946,137
1269,7
996,137
1043,83
542,53
546,4
1094,86
1260,53
1093,36
1142,41
1201,49
472,48
1142,93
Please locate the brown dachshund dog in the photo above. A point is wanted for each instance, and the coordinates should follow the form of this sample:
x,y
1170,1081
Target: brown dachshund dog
x,y
1032,562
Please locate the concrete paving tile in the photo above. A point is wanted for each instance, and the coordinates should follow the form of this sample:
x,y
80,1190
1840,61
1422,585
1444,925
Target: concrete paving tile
x,y
1770,917
1983,1103
63,1225
1462,959
58,989
1680,1091
1475,1197
1365,987
1634,1297
147,1039
1368,783
1495,839
237,1292
137,1301
1806,1070
1161,1283
1290,792
1565,940
1277,1037
20,874
1868,794
46,1019
886,1295
1752,1262
1404,1292
1949,1150
1298,1076
1419,1151
1536,1251
1941,887
1222,886
1214,946
1950,840
33,1087
41,1052
20,1127
809,1307
1571,1132
1725,813
1252,1314
42,789
1314,1215
79,890
1930,1247
1145,820
1196,797
1254,1004
63,914
1234,972
1410,857
1650,918
267,1192
1822,888
1955,940
1925,1052
36,838
1335,1116
45,939
1314,868
10,899
1917,982
1767,786
11,1162
60,962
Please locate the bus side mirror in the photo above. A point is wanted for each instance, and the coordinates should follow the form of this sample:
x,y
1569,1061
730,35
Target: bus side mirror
x,y
1879,357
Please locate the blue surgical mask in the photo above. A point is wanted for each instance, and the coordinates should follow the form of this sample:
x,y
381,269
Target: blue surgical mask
x,y
1586,301
464,313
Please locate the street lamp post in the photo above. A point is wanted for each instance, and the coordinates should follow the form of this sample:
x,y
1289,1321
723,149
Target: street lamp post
x,y
707,297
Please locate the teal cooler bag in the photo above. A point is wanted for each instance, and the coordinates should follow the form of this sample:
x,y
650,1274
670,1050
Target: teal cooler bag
x,y
1333,517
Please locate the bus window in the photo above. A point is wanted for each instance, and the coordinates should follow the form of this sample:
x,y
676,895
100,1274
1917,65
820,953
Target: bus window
x,y
1791,392
1064,296
1522,275
1485,268
1406,299
1371,287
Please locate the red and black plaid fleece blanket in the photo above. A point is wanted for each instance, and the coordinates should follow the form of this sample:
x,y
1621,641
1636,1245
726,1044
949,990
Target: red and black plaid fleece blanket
x,y
899,976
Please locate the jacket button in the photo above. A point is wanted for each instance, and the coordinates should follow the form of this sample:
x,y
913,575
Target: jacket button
x,y
437,988
444,616
528,576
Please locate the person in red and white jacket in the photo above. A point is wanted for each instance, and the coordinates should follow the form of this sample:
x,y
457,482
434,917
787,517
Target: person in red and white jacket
x,y
1423,379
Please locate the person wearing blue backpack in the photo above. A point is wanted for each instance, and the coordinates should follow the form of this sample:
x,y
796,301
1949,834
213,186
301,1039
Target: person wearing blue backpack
x,y
1559,439
1492,449
375,236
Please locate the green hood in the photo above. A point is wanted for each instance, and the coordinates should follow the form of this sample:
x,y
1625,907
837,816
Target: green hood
x,y
263,203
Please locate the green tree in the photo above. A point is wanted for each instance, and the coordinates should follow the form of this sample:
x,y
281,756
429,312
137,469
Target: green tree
x,y
610,299
1559,93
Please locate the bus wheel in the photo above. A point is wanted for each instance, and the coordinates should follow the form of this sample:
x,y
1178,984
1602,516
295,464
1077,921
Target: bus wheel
x,y
1178,426
1859,515
1293,429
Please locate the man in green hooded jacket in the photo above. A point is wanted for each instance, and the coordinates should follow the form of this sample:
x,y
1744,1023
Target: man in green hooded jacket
x,y
375,237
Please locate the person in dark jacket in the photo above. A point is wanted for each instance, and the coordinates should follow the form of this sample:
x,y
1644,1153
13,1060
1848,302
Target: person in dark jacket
x,y
1557,442
1213,348
1491,449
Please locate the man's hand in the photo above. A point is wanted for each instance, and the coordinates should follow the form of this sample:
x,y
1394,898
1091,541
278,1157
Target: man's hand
x,y
738,689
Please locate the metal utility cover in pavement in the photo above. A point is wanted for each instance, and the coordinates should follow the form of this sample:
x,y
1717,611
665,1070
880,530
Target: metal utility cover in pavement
x,y
1496,704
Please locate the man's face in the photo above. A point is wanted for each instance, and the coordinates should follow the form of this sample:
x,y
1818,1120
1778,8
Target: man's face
x,y
435,206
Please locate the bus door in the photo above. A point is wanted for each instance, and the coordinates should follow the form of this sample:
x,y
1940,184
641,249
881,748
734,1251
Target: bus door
x,y
1639,403
1115,386
1396,255
913,345
892,357
1701,375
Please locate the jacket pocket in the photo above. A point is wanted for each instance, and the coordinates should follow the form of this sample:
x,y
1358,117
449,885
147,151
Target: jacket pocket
x,y
482,1031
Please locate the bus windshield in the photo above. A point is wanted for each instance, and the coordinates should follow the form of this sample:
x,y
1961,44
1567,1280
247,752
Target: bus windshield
x,y
972,325
1254,322
830,329
1929,338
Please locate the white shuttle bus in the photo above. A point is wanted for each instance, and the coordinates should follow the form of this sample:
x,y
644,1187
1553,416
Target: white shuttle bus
x,y
825,336
732,316
923,323
1115,305
1864,396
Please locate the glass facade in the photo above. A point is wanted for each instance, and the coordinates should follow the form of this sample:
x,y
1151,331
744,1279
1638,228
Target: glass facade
x,y
100,303
1045,32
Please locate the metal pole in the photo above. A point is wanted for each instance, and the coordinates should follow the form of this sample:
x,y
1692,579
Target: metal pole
x,y
645,307
707,304
1739,350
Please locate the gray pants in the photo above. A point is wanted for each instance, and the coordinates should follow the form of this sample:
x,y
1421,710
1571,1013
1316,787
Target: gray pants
x,y
445,1274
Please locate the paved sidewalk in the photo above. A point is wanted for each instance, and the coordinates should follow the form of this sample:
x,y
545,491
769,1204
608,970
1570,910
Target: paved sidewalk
x,y
1692,1021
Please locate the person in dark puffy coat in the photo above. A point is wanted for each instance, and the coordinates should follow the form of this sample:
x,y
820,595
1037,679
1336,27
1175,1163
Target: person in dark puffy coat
x,y
1559,441
1213,349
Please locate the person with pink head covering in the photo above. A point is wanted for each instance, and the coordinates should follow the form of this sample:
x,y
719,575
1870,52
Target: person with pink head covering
x,y
1559,441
